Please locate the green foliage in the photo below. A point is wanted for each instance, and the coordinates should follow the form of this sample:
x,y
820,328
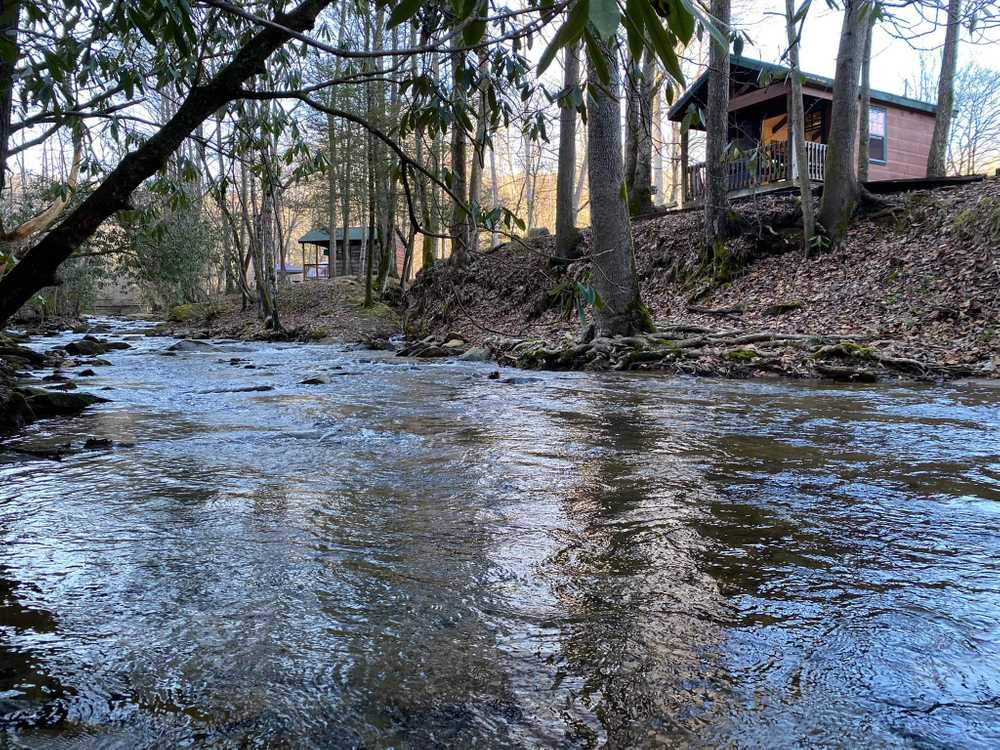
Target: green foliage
x,y
595,21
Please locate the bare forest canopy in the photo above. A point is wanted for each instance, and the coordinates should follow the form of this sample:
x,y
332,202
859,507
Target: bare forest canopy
x,y
182,147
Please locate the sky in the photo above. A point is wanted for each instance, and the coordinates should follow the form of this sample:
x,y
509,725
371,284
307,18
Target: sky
x,y
893,60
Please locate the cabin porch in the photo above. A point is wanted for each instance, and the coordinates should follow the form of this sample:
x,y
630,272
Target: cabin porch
x,y
766,167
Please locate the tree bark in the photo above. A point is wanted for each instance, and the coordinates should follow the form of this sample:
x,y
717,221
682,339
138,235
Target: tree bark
x,y
567,235
459,229
937,158
331,259
10,13
840,183
639,137
717,134
865,102
620,311
39,266
797,128
658,183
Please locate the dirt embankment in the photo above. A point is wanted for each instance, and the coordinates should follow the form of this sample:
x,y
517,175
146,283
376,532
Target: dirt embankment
x,y
312,310
913,291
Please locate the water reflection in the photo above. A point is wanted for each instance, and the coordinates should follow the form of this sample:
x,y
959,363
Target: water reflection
x,y
427,558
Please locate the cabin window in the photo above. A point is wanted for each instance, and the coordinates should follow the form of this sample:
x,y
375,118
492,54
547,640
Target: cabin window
x,y
876,135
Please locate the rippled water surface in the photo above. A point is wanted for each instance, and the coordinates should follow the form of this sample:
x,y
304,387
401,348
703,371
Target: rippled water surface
x,y
415,555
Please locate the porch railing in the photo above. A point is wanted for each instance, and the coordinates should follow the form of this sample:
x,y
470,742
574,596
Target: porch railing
x,y
767,164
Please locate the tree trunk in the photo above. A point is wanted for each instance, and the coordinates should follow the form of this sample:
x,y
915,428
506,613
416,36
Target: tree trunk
x,y
10,13
478,150
840,184
331,259
658,183
864,102
529,187
567,235
797,128
345,203
639,137
717,135
675,162
39,266
459,229
685,149
937,158
494,192
620,311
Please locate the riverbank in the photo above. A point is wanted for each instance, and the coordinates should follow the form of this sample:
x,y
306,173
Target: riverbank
x,y
913,293
316,310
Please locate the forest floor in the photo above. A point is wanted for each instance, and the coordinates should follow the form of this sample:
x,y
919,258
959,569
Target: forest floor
x,y
914,291
313,310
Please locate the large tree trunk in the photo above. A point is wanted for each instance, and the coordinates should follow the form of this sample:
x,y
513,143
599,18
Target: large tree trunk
x,y
717,134
865,103
840,184
39,266
460,227
10,13
937,158
345,203
478,150
797,128
614,278
639,136
567,235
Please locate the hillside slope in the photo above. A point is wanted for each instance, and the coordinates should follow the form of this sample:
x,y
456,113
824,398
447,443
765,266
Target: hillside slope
x,y
916,283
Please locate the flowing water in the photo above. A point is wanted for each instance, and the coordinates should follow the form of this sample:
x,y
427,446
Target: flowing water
x,y
415,555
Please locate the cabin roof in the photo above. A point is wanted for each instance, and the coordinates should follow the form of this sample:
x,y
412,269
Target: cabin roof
x,y
765,68
320,236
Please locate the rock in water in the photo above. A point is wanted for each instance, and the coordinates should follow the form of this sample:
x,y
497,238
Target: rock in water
x,y
53,403
190,345
316,380
476,354
85,346
21,352
14,409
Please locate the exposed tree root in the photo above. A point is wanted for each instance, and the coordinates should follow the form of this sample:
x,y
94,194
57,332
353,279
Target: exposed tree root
x,y
698,350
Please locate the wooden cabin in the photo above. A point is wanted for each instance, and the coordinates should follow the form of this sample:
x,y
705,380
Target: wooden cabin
x,y
316,247
759,96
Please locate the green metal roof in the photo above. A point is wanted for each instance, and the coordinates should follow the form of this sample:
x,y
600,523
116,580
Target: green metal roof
x,y
747,63
320,236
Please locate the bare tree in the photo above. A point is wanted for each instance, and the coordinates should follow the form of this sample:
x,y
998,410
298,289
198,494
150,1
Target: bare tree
x,y
975,130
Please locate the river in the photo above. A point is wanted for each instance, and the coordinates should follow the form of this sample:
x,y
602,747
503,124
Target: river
x,y
416,555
